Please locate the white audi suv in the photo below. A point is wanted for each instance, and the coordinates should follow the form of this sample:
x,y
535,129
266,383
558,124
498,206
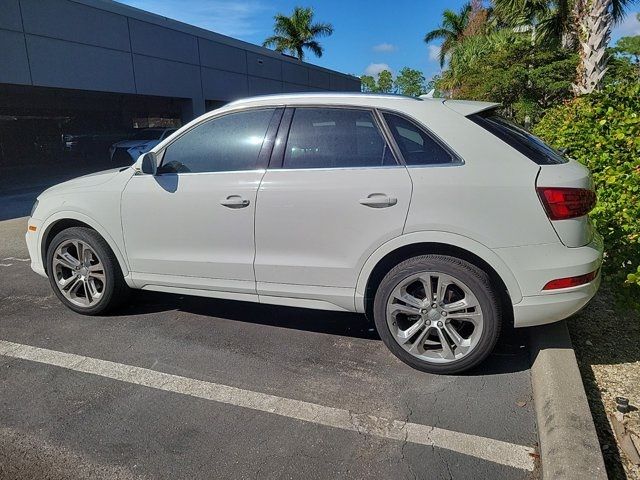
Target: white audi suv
x,y
439,219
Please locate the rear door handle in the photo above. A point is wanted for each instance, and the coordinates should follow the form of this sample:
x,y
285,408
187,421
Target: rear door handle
x,y
235,201
379,200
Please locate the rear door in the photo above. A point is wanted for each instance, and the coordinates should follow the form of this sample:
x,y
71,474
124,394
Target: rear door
x,y
334,192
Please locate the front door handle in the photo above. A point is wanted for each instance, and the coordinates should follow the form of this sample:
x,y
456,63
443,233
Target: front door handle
x,y
235,201
379,200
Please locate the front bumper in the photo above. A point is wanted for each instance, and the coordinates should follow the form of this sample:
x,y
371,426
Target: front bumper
x,y
536,265
33,245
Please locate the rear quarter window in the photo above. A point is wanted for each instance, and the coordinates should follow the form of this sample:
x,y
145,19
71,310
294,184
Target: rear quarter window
x,y
522,140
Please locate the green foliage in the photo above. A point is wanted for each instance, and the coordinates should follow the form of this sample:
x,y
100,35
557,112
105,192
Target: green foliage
x,y
368,83
410,82
383,83
620,69
602,131
629,46
295,33
624,61
505,67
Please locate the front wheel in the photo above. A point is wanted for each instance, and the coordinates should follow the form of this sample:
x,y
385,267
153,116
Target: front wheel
x,y
438,313
84,273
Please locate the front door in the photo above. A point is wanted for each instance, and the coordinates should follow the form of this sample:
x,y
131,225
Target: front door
x,y
192,224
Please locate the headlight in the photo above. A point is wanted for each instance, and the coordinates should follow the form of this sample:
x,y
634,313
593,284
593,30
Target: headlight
x,y
33,209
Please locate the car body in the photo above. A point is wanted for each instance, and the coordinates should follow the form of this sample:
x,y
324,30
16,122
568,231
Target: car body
x,y
142,140
345,194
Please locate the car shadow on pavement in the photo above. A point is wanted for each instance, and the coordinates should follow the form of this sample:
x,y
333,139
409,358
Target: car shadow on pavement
x,y
510,354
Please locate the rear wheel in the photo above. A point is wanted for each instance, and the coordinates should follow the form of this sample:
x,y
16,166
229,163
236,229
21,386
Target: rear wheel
x,y
438,313
84,273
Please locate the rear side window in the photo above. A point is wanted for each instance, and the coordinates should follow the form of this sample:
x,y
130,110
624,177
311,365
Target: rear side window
x,y
227,143
416,145
335,138
525,142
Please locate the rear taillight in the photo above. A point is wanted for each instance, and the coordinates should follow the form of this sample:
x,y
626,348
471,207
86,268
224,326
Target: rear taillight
x,y
562,203
570,281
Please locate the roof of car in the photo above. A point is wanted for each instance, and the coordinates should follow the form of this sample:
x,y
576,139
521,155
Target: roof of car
x,y
464,107
325,96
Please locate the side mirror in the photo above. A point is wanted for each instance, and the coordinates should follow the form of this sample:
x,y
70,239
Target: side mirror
x,y
149,163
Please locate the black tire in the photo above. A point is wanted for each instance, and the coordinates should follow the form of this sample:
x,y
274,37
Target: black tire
x,y
115,290
476,280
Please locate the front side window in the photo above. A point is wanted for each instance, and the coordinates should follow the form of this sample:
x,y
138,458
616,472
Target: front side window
x,y
335,138
416,145
227,143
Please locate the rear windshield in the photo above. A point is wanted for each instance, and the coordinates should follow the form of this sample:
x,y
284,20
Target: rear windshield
x,y
520,139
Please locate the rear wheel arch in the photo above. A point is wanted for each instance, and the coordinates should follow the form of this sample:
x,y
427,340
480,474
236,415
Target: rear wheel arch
x,y
382,262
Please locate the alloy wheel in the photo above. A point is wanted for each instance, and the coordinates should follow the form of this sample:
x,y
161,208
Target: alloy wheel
x,y
79,273
435,317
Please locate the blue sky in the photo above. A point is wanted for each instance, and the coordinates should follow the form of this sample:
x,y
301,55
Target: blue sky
x,y
368,35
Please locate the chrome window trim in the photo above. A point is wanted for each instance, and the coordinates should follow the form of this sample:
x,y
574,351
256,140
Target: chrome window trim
x,y
381,167
261,170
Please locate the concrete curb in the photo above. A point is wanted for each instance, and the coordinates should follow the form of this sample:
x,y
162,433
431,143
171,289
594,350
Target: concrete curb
x,y
569,447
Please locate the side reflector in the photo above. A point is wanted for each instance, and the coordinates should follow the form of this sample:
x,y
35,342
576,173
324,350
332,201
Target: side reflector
x,y
570,281
32,228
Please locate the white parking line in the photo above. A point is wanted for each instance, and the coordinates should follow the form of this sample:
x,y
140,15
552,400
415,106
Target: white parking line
x,y
496,451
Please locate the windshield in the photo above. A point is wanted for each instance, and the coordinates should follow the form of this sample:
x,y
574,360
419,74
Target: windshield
x,y
519,138
148,134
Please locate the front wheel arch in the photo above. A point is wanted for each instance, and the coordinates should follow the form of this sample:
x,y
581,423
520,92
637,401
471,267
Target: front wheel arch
x,y
62,220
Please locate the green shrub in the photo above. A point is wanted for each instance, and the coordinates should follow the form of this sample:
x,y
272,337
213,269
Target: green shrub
x,y
602,131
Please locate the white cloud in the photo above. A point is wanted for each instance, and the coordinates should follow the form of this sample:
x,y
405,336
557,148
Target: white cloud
x,y
385,47
434,52
235,18
629,27
374,69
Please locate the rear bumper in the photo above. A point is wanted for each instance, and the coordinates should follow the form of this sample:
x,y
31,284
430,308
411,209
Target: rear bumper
x,y
549,308
536,265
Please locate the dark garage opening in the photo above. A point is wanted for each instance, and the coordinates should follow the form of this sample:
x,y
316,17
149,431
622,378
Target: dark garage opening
x,y
49,134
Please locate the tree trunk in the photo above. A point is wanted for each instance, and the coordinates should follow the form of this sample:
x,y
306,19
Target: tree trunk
x,y
594,29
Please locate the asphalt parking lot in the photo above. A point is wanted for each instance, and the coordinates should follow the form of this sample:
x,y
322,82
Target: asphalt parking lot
x,y
184,387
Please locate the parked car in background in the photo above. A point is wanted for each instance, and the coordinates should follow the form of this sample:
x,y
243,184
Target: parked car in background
x,y
90,144
437,218
127,151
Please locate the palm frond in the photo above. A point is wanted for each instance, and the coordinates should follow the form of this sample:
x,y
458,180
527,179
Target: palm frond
x,y
321,30
315,48
438,34
619,9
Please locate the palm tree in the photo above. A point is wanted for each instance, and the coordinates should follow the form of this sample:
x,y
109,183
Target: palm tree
x,y
583,23
295,33
451,31
552,20
594,21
